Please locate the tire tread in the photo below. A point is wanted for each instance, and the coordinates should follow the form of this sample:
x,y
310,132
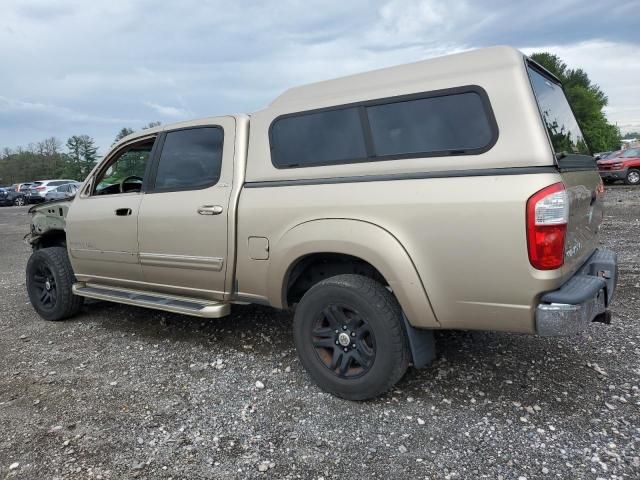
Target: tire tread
x,y
391,315
67,304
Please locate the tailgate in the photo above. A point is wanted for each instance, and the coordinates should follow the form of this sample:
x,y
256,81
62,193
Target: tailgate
x,y
576,165
585,216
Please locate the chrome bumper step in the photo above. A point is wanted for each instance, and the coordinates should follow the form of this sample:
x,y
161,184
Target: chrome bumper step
x,y
169,303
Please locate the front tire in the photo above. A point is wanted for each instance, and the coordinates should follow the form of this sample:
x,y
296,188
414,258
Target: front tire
x,y
350,338
49,284
633,177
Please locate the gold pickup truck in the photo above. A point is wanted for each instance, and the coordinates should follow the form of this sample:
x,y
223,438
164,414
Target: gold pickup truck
x,y
452,193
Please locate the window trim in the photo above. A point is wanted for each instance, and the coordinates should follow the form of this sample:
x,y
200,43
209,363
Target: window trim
x,y
368,134
153,172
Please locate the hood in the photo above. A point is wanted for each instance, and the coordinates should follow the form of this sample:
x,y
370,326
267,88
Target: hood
x,y
611,161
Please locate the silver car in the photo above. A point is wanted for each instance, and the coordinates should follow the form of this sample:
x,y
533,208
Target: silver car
x,y
63,191
38,190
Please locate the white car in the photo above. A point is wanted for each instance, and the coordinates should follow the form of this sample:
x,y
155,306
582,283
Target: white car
x,y
63,191
38,190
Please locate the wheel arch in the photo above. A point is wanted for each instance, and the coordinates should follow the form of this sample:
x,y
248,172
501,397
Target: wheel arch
x,y
362,241
50,238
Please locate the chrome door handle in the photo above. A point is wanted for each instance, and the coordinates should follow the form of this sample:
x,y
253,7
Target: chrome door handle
x,y
210,210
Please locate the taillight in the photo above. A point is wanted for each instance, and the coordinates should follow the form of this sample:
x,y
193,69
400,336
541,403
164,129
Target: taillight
x,y
547,216
41,188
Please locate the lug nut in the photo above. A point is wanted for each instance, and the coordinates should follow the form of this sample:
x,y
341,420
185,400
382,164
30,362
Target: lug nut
x,y
353,334
337,342
345,349
344,327
353,345
337,331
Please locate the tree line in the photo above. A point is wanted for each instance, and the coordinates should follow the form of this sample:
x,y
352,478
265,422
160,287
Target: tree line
x,y
50,158
587,101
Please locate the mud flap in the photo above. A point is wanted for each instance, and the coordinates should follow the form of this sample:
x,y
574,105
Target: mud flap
x,y
421,343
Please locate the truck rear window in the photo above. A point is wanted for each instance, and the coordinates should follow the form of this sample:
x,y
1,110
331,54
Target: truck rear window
x,y
453,122
557,115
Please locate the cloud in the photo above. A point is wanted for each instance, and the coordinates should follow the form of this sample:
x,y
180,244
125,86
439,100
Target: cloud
x,y
168,111
43,9
93,68
10,106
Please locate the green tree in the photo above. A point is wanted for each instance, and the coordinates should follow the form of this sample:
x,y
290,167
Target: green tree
x,y
151,125
38,161
587,100
82,156
125,131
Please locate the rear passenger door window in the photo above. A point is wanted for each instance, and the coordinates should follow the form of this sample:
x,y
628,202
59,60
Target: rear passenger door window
x,y
190,159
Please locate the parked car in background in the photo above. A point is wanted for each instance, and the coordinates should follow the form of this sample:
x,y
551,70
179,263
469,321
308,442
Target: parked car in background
x,y
608,156
625,167
38,190
601,155
63,191
4,197
22,186
12,196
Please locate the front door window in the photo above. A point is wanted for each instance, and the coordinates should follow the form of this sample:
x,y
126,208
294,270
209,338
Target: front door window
x,y
126,171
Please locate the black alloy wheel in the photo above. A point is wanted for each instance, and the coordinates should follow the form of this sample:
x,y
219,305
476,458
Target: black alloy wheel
x,y
350,337
44,284
344,341
50,282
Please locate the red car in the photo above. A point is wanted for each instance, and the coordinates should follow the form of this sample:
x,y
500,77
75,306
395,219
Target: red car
x,y
626,167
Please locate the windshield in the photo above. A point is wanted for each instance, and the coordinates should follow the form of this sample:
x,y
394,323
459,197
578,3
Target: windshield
x,y
631,153
561,124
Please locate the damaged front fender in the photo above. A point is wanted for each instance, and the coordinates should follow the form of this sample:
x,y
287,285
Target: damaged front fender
x,y
47,219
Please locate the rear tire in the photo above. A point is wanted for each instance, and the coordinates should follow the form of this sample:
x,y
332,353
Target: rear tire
x,y
350,338
49,283
633,177
19,202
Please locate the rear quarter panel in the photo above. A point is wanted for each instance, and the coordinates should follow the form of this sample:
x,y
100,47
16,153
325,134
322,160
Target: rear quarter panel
x,y
466,237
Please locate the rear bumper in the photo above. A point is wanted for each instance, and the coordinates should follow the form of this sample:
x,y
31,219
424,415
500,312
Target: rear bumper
x,y
583,298
35,197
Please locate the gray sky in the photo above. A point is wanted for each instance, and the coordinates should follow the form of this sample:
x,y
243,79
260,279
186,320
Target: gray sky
x,y
75,67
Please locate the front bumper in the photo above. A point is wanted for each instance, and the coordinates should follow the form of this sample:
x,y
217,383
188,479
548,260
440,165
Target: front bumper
x,y
613,174
583,298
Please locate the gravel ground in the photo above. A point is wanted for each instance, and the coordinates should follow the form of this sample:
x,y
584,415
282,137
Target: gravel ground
x,y
123,392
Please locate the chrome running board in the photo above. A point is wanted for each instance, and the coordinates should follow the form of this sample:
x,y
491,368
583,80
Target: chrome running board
x,y
169,303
